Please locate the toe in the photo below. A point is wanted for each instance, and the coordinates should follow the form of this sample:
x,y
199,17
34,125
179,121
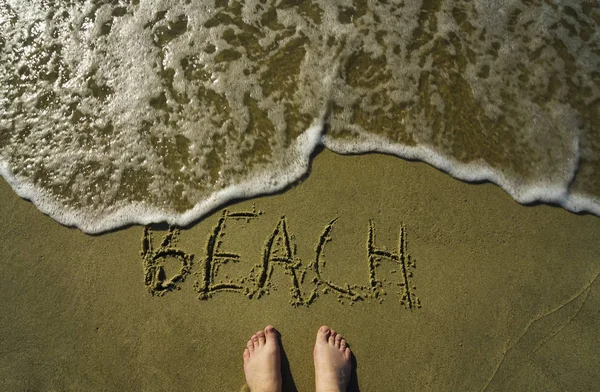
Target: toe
x,y
261,338
338,340
347,353
270,335
343,344
254,340
270,330
332,337
323,334
246,355
250,346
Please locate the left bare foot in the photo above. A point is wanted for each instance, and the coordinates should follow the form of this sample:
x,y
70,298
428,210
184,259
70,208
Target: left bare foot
x,y
262,361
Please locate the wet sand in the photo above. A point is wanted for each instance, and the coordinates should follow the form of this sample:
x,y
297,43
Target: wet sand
x,y
500,297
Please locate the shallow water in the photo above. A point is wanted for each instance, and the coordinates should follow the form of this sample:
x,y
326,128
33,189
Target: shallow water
x,y
114,112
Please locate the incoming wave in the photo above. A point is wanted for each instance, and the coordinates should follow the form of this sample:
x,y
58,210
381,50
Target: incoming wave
x,y
135,112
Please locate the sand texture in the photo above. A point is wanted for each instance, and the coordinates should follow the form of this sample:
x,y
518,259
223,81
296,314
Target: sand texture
x,y
437,285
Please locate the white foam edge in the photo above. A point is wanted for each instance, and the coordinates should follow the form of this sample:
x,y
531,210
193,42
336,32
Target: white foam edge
x,y
139,213
271,182
475,172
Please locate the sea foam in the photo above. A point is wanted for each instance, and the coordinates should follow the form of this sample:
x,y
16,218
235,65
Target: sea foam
x,y
139,112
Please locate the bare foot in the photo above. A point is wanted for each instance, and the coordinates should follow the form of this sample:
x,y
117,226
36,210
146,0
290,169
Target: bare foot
x,y
332,361
262,363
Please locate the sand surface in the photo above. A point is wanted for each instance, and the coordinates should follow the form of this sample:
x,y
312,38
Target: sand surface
x,y
502,296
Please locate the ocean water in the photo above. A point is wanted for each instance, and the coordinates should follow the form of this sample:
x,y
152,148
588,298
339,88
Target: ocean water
x,y
136,111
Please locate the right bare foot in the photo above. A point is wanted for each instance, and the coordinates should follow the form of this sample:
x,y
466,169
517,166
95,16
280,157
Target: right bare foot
x,y
262,363
332,361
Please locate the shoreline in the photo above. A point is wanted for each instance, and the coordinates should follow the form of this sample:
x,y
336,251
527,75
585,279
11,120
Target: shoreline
x,y
138,214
